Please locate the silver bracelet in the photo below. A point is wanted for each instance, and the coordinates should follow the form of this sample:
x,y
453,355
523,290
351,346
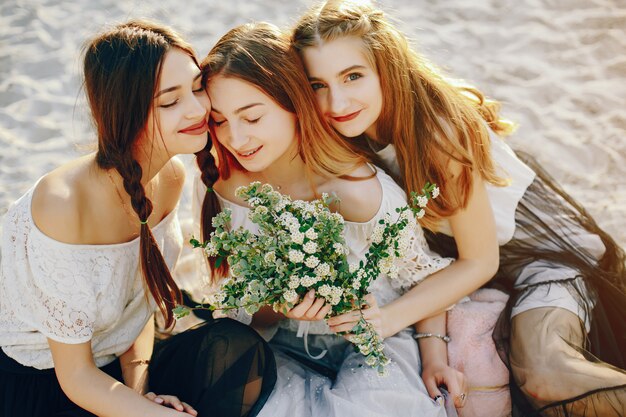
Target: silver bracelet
x,y
418,336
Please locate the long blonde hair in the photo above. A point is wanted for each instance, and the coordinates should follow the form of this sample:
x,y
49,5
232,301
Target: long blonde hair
x,y
262,55
431,116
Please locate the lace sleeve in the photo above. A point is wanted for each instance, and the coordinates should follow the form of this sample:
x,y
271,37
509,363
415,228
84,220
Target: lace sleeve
x,y
49,289
419,262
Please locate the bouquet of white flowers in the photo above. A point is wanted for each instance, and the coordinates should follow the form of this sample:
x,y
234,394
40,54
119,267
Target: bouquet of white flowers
x,y
300,246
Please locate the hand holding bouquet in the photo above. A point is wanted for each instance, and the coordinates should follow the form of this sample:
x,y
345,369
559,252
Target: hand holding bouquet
x,y
300,246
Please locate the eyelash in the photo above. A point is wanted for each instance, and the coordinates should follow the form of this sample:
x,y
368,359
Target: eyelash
x,y
166,106
317,86
349,77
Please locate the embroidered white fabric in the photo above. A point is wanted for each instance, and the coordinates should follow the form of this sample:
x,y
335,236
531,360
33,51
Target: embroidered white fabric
x,y
419,263
72,293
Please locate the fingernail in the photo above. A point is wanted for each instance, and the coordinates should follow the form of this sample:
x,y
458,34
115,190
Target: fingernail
x,y
438,400
311,294
158,400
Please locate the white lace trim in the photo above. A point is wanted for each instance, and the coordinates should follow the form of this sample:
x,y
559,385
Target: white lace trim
x,y
72,293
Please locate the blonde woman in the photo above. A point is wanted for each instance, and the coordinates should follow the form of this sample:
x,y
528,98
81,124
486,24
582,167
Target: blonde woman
x,y
563,333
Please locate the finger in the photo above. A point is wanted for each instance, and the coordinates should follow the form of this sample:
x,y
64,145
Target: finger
x,y
349,317
346,327
150,395
304,305
323,312
314,309
189,409
371,300
173,401
433,390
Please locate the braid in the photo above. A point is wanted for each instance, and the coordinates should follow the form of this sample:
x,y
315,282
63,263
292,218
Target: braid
x,y
156,274
210,204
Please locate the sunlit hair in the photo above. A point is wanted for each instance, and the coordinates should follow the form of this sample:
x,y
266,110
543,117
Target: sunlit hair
x,y
261,55
427,117
122,67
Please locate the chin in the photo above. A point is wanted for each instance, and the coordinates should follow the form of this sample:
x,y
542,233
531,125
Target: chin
x,y
350,132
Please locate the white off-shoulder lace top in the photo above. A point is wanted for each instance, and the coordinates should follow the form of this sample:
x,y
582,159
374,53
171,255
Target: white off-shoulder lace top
x,y
419,263
72,293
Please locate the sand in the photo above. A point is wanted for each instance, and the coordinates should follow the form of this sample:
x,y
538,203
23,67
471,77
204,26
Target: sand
x,y
559,67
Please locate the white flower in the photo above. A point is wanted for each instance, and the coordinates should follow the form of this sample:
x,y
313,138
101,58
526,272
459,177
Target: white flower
x,y
241,191
296,256
307,281
310,247
311,261
393,272
267,188
435,192
322,270
385,264
336,292
371,360
387,218
377,233
297,237
421,201
356,283
337,217
270,257
339,249
254,201
352,267
420,213
311,234
210,249
334,300
261,210
290,296
294,282
324,290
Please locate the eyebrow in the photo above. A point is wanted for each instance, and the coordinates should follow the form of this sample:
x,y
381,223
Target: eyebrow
x,y
240,109
170,89
343,72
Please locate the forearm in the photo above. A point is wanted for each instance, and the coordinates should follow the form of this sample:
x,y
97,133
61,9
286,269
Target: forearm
x,y
98,393
134,361
437,292
433,349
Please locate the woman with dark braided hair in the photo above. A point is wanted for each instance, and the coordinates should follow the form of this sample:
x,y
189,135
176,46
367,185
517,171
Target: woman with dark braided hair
x,y
87,254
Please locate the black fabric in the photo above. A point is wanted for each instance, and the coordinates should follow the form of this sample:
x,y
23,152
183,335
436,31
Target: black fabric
x,y
211,367
208,367
30,392
549,224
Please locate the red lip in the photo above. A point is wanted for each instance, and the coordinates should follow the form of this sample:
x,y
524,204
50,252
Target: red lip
x,y
346,117
241,156
197,129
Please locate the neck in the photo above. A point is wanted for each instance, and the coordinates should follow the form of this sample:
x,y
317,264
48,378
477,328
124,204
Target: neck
x,y
288,175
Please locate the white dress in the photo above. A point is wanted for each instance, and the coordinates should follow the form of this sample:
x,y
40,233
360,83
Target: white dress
x,y
343,384
72,293
504,203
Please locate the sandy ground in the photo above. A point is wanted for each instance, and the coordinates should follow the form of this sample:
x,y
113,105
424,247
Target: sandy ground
x,y
558,66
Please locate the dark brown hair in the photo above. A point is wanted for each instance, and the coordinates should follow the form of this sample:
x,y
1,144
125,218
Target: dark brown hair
x,y
122,68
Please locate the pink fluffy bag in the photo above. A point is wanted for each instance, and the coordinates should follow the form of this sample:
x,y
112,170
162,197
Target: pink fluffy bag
x,y
472,351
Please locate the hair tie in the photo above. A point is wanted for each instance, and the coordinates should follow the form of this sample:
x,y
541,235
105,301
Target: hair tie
x,y
209,189
143,222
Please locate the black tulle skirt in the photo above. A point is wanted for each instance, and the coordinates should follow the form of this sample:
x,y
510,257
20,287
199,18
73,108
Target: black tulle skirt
x,y
558,248
221,368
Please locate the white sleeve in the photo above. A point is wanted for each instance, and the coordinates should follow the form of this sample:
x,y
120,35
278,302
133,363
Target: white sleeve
x,y
418,263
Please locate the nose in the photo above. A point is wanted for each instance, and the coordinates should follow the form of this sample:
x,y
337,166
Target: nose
x,y
199,105
237,137
339,101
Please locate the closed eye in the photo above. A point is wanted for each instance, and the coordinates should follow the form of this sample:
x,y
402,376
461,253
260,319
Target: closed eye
x,y
253,121
168,105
